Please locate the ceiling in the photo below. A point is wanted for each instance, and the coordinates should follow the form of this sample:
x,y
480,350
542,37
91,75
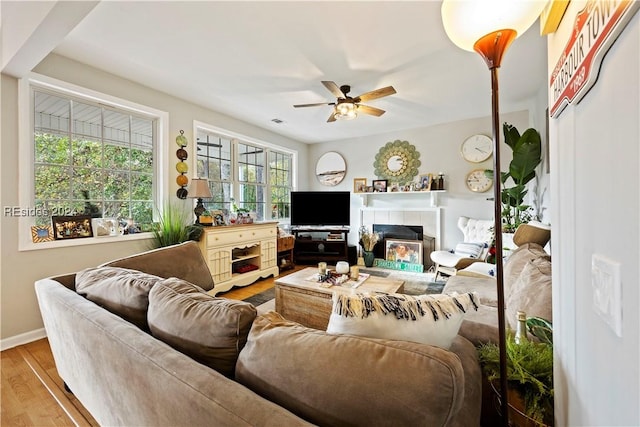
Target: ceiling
x,y
255,60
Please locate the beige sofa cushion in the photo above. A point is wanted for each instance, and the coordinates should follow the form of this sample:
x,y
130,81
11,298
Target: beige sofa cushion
x,y
531,293
339,380
121,291
516,262
210,330
183,260
426,319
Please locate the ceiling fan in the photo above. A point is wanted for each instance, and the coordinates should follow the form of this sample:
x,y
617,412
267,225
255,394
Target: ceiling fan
x,y
347,107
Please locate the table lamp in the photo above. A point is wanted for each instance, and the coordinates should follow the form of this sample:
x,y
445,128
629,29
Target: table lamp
x,y
199,189
488,27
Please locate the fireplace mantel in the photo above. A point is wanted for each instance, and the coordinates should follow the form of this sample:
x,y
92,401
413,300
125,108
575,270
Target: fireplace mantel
x,y
433,194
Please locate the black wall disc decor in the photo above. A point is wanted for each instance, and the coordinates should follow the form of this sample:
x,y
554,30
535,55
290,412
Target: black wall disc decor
x,y
181,166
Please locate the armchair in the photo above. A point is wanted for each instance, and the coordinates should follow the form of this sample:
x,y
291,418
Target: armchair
x,y
477,233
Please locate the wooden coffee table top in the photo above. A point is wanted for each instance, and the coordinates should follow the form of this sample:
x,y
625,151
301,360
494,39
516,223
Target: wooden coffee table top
x,y
300,279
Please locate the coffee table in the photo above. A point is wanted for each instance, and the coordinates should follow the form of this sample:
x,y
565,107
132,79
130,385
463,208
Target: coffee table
x,y
306,302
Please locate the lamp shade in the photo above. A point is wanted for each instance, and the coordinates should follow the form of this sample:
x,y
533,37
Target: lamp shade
x,y
466,21
199,188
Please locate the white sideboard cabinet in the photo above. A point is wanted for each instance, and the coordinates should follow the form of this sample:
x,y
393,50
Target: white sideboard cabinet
x,y
238,255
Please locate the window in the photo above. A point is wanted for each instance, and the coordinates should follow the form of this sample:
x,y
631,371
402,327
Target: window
x,y
257,176
280,178
84,152
91,159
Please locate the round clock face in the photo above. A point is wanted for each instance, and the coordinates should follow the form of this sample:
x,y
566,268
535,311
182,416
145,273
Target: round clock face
x,y
478,182
477,148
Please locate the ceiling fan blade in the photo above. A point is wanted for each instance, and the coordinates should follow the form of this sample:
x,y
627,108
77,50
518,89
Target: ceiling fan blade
x,y
314,105
334,89
370,110
332,117
375,94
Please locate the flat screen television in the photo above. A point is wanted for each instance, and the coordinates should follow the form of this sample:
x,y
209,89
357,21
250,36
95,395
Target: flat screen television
x,y
320,208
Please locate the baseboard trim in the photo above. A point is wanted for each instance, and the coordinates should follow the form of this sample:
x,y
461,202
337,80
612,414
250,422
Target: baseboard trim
x,y
21,339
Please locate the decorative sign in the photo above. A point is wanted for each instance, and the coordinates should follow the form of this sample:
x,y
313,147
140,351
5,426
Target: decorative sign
x,y
595,29
403,266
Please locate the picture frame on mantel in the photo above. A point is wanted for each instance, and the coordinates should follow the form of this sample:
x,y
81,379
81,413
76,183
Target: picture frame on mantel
x,y
380,185
359,185
425,181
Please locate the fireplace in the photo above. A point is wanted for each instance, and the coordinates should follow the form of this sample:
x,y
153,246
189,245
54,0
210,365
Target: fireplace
x,y
404,232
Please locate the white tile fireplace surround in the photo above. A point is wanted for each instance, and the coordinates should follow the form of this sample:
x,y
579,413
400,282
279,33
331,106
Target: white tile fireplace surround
x,y
428,218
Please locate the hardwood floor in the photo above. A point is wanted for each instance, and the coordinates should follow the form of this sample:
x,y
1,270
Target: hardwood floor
x,y
32,393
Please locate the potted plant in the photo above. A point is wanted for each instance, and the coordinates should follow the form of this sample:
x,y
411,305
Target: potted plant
x,y
527,155
529,374
173,226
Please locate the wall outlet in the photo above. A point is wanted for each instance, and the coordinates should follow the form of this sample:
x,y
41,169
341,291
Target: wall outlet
x,y
607,291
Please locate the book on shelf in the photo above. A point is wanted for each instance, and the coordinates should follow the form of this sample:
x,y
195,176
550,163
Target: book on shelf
x,y
335,236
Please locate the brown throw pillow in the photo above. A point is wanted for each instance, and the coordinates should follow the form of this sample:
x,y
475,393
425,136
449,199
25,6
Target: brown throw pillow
x,y
121,291
210,330
531,293
340,380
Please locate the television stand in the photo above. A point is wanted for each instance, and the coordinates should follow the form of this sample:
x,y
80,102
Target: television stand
x,y
328,244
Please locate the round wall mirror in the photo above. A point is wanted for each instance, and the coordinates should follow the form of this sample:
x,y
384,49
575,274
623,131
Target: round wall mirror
x,y
331,169
395,163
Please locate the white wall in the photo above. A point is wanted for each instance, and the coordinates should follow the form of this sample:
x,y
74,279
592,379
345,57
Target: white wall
x,y
439,148
595,181
19,310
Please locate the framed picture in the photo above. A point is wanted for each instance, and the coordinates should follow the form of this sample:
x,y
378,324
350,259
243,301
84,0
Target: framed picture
x,y
359,185
71,227
379,185
425,181
41,233
218,217
103,227
409,251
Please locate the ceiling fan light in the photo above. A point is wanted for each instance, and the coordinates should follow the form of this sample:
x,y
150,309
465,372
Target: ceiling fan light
x,y
346,111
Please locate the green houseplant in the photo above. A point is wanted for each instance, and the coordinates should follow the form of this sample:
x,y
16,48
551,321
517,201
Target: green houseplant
x,y
173,226
527,155
529,372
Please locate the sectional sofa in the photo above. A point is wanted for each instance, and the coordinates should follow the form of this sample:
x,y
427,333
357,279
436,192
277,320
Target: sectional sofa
x,y
139,342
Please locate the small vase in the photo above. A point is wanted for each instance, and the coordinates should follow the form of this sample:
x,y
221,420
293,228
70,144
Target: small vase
x,y
368,258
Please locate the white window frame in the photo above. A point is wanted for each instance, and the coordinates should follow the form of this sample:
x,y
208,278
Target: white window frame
x,y
26,155
235,185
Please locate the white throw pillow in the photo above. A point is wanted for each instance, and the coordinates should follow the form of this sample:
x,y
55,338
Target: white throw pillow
x,y
427,319
469,250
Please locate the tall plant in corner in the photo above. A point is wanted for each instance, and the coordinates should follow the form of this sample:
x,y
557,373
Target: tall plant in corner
x,y
527,152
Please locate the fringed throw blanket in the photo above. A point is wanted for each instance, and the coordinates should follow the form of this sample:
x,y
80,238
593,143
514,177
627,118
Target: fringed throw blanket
x,y
429,319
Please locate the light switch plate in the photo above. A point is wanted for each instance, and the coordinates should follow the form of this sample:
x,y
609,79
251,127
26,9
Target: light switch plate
x,y
607,291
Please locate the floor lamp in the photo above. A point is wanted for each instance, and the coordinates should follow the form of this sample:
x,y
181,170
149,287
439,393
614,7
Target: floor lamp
x,y
488,27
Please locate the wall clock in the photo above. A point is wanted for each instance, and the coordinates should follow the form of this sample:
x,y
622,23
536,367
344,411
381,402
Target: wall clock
x,y
477,148
397,162
478,182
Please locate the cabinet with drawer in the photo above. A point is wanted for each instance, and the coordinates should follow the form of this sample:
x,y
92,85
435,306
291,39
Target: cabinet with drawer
x,y
238,255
